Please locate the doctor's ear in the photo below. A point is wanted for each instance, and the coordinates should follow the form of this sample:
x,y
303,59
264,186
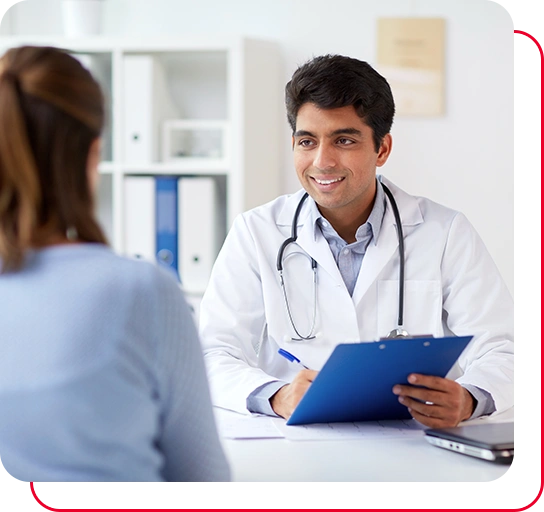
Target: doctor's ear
x,y
385,150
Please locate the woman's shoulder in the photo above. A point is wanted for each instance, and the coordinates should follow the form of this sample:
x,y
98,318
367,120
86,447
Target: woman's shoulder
x,y
105,261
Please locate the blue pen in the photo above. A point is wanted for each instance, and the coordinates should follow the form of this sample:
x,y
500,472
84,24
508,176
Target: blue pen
x,y
291,357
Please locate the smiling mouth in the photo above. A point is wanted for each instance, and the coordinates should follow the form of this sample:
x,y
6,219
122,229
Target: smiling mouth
x,y
327,182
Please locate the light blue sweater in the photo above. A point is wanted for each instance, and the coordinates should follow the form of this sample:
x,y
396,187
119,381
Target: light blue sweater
x,y
101,373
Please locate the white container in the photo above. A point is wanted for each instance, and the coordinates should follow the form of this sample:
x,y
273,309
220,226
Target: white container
x,y
82,17
194,139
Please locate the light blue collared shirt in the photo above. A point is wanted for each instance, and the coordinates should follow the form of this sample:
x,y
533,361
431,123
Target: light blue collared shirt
x,y
349,258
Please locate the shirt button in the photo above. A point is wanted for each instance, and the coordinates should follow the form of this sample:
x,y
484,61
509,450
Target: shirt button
x,y
324,223
346,251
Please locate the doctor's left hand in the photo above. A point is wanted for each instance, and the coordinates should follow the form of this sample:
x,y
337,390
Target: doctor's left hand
x,y
438,403
285,400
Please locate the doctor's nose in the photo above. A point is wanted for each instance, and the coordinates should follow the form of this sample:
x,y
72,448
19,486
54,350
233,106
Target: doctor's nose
x,y
324,158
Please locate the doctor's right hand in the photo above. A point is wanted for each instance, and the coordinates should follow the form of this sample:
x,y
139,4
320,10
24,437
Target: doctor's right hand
x,y
287,398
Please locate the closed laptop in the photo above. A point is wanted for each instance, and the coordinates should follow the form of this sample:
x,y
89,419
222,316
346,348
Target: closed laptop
x,y
489,441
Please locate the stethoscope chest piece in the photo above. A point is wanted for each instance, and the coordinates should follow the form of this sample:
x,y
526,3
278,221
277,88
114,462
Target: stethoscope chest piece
x,y
397,333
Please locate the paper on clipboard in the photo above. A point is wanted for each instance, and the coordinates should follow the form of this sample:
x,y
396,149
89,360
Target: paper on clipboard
x,y
356,382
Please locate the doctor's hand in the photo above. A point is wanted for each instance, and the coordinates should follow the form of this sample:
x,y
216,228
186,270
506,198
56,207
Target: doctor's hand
x,y
287,398
438,403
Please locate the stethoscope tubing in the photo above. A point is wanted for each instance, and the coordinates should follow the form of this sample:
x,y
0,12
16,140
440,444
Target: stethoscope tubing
x,y
279,265
400,235
293,239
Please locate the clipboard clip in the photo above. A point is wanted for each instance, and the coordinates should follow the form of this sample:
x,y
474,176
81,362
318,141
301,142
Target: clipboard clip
x,y
406,336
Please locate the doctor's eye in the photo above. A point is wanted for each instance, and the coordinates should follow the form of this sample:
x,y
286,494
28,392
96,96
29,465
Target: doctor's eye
x,y
305,143
345,142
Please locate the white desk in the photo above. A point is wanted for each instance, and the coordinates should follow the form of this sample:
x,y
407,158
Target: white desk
x,y
391,462
397,459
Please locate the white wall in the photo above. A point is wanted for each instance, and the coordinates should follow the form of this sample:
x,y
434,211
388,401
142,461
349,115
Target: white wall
x,y
5,25
463,159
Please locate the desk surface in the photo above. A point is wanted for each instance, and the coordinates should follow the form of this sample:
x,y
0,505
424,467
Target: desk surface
x,y
398,459
392,462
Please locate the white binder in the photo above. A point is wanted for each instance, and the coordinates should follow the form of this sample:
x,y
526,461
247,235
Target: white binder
x,y
146,103
139,217
198,230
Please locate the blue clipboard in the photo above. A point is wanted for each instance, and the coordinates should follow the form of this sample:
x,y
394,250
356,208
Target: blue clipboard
x,y
356,382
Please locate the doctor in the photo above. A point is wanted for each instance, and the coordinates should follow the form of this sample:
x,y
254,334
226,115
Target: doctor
x,y
340,270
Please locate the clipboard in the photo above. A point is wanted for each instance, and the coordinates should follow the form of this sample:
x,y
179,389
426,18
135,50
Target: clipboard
x,y
356,382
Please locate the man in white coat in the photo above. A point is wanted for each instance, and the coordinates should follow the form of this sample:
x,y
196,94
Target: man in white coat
x,y
341,111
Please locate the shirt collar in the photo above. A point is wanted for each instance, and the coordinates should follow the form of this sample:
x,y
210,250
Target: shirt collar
x,y
375,218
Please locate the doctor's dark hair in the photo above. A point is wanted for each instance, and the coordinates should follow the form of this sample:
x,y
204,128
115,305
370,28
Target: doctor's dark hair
x,y
335,81
51,110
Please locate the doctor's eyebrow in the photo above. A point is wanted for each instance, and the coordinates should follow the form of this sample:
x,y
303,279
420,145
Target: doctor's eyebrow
x,y
340,131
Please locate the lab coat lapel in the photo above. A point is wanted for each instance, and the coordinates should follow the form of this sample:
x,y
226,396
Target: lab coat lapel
x,y
379,254
318,248
376,256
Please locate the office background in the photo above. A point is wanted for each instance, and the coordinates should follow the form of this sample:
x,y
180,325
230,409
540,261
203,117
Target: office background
x,y
463,159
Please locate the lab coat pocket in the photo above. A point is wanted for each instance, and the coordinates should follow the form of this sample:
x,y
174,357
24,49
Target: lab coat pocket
x,y
422,307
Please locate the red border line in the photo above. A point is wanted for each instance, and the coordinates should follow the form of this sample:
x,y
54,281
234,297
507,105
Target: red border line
x,y
37,498
540,51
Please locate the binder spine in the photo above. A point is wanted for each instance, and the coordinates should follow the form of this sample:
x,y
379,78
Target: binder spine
x,y
167,222
139,217
198,231
138,109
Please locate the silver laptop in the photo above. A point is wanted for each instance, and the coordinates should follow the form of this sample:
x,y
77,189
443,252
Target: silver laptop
x,y
488,441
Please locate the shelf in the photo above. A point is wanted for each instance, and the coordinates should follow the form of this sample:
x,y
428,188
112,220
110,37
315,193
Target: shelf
x,y
198,166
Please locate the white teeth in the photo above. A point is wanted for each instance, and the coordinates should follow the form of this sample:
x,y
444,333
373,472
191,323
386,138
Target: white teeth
x,y
328,182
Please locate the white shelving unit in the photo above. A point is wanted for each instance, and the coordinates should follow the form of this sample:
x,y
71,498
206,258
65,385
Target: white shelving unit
x,y
229,86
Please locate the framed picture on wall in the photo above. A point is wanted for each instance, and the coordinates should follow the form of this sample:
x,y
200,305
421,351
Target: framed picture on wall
x,y
411,56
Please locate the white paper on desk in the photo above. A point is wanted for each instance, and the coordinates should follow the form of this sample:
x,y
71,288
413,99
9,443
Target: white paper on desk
x,y
359,430
231,425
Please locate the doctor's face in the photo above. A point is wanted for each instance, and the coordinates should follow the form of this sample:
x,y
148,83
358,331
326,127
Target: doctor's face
x,y
335,160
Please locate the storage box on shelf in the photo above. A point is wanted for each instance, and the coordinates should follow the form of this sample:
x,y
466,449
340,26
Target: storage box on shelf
x,y
190,142
184,107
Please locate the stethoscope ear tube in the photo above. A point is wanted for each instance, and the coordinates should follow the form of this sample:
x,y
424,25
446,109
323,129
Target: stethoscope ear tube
x,y
293,237
400,236
279,263
279,266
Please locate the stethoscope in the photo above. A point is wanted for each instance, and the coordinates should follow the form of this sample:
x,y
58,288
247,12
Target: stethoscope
x,y
398,332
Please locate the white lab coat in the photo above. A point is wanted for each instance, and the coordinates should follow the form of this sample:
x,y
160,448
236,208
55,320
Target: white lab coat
x,y
452,286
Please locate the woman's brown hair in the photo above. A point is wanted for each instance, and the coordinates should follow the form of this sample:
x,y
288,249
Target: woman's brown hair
x,y
51,110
